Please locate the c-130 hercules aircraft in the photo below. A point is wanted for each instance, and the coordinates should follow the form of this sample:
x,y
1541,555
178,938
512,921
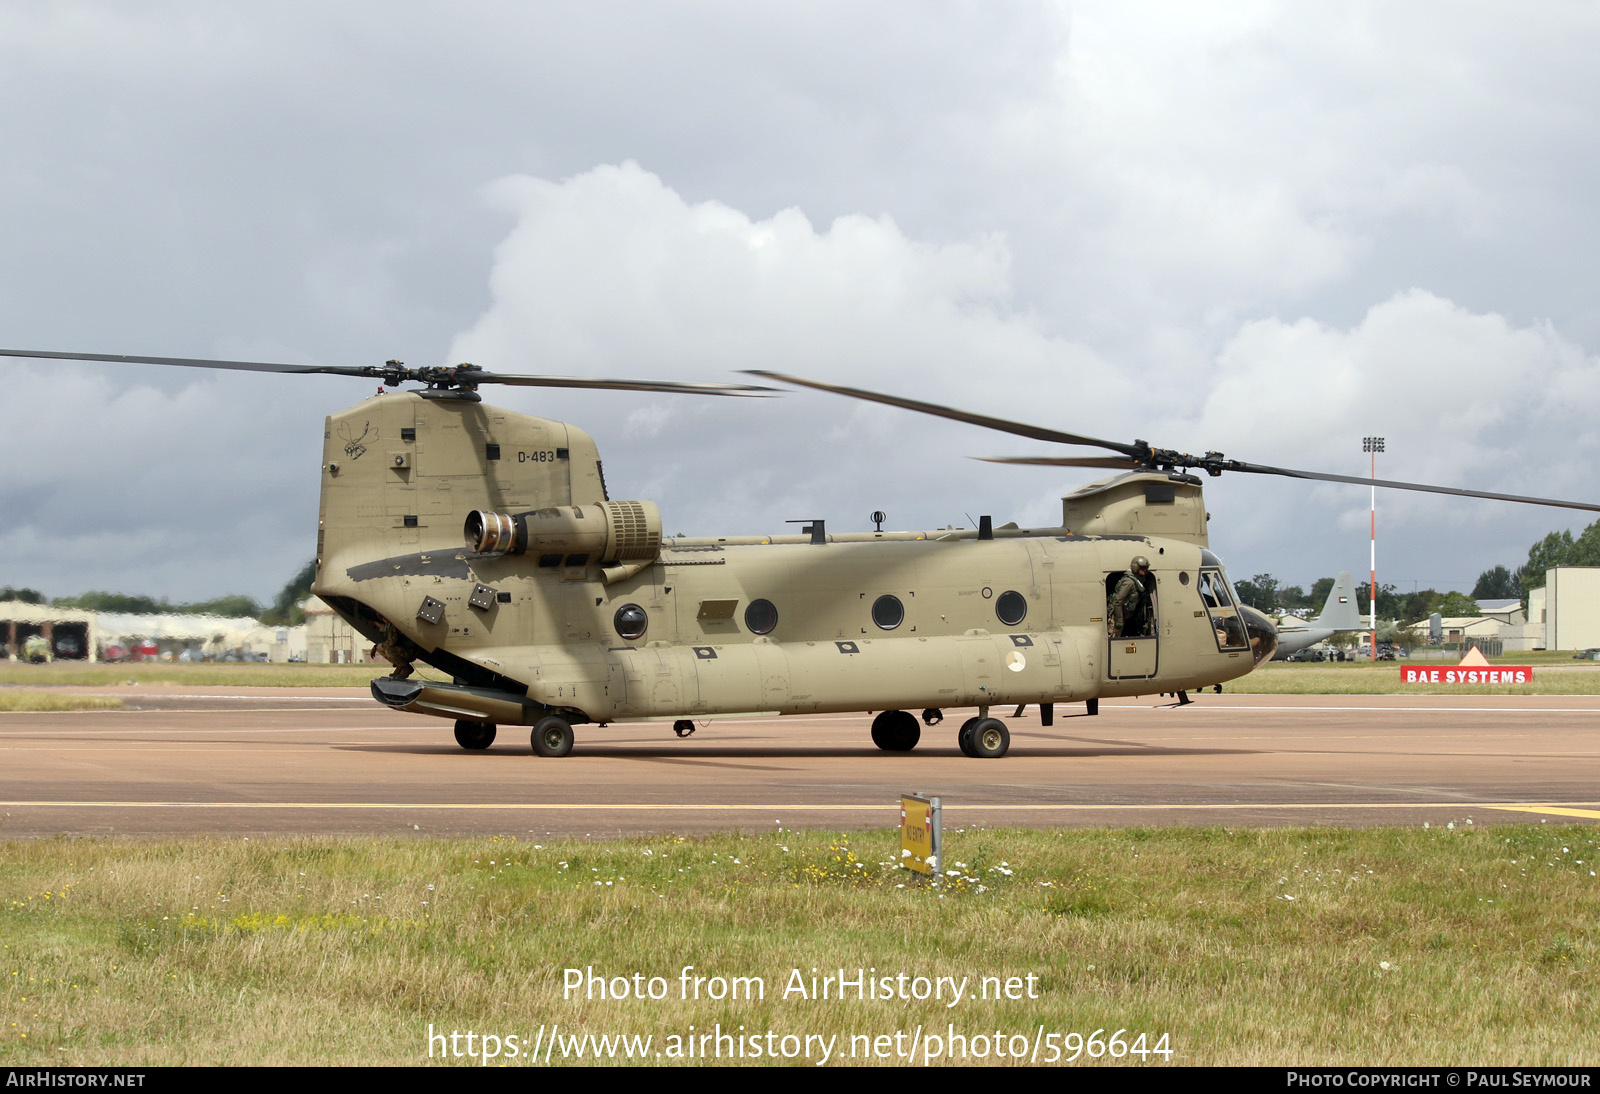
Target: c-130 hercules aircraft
x,y
482,542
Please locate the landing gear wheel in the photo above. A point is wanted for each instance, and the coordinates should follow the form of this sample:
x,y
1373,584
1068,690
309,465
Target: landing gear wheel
x,y
683,727
475,735
988,739
896,731
964,736
552,736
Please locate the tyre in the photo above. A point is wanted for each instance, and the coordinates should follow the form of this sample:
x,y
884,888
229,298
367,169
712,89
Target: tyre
x,y
988,739
964,737
552,736
475,735
896,731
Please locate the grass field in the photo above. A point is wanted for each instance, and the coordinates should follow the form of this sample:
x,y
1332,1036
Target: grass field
x,y
1454,945
31,699
1558,675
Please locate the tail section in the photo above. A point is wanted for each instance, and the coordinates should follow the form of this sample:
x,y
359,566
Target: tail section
x,y
1339,611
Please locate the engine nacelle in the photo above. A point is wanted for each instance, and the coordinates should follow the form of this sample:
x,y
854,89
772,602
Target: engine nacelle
x,y
622,536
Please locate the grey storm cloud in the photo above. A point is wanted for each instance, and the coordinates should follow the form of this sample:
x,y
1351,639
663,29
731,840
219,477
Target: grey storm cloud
x,y
1267,229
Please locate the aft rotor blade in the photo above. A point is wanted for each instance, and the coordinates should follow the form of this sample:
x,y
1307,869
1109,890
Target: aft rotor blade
x,y
392,374
1392,484
1020,429
665,386
195,362
1066,461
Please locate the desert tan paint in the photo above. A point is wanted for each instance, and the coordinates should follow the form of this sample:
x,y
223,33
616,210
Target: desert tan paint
x,y
401,473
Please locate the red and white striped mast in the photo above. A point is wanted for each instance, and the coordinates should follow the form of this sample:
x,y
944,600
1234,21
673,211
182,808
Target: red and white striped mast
x,y
1374,445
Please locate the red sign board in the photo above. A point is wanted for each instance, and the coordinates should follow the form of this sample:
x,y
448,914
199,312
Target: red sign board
x,y
1466,674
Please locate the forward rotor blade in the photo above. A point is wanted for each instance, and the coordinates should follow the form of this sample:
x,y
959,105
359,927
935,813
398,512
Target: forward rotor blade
x,y
1020,429
1392,484
196,362
1065,461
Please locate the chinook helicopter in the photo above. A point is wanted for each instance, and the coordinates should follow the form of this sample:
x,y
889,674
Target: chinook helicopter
x,y
483,542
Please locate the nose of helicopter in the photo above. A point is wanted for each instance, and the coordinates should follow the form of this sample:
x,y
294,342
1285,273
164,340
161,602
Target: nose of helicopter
x,y
1263,635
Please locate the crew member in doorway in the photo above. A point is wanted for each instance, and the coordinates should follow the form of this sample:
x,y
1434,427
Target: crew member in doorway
x,y
396,649
1129,609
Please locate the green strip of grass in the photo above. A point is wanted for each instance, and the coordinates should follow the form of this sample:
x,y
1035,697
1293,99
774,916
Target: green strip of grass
x,y
1566,677
14,700
1463,945
225,674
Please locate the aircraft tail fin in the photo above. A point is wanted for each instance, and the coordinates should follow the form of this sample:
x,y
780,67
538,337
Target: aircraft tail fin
x,y
1339,611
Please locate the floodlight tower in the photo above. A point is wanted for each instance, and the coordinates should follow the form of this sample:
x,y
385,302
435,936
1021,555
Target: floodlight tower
x,y
1373,445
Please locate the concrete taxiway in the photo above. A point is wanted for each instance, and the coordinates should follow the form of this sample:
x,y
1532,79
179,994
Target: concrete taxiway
x,y
243,762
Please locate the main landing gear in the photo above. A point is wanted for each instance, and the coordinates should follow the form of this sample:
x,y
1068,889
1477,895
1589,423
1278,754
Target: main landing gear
x,y
475,735
552,736
984,738
896,731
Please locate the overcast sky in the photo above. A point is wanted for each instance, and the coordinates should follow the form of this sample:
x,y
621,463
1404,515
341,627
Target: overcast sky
x,y
1269,229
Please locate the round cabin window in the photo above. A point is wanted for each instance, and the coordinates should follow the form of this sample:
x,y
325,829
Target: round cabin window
x,y
888,612
1012,608
761,617
631,621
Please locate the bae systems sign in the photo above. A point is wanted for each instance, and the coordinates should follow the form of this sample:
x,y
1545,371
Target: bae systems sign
x,y
1498,674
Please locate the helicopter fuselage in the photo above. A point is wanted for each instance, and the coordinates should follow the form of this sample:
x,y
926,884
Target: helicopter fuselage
x,y
567,603
483,542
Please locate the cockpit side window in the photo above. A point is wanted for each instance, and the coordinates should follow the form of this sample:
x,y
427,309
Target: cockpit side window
x,y
1225,621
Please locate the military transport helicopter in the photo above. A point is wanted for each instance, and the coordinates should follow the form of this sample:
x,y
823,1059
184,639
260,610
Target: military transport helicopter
x,y
483,542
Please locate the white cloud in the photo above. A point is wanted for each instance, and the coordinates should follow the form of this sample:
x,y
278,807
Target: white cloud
x,y
1463,399
613,273
1461,396
613,267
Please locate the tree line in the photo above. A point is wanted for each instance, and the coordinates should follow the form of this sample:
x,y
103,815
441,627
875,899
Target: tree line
x,y
284,611
1263,591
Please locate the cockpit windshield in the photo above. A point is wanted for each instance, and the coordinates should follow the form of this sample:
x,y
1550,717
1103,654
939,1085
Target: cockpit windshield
x,y
1225,620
